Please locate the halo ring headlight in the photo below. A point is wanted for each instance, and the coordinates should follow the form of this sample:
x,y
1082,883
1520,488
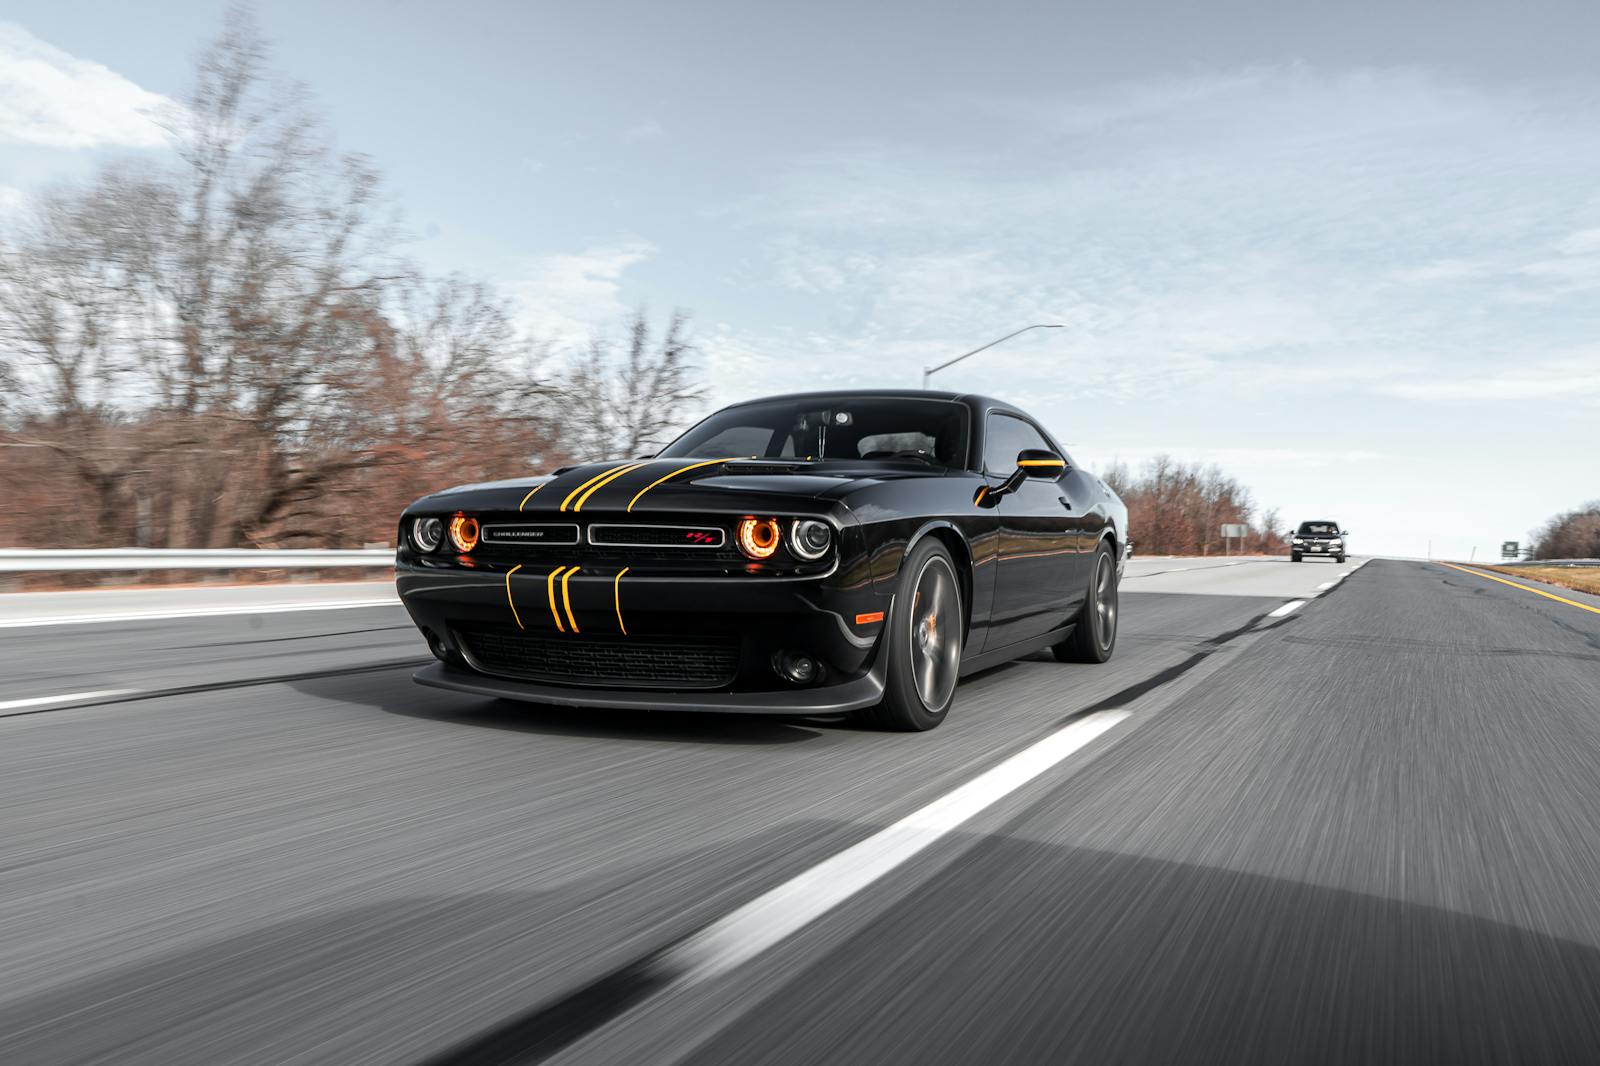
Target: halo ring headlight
x,y
426,534
810,538
464,533
758,537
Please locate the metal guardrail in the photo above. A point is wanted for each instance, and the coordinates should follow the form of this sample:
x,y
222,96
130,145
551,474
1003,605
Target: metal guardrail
x,y
36,560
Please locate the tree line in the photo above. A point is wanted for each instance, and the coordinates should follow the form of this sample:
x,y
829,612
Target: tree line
x,y
1177,508
226,348
1573,535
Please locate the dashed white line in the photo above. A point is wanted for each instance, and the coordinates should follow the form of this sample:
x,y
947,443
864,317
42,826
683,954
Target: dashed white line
x,y
769,918
1326,585
70,697
1288,608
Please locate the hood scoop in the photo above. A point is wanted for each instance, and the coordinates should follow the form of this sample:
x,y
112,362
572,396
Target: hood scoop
x,y
756,467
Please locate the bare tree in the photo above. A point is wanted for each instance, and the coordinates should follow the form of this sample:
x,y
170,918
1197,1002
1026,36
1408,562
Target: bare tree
x,y
1573,535
1176,508
628,402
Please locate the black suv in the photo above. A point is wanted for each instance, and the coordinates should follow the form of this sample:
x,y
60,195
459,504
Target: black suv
x,y
1324,539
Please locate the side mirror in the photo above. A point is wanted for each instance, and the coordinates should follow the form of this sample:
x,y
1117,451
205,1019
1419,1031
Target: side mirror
x,y
1033,463
1038,463
1344,532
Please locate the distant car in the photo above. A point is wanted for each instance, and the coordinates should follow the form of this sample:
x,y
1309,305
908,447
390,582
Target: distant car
x,y
809,554
1320,540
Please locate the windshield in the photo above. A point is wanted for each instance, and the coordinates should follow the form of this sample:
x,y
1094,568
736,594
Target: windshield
x,y
886,429
1318,529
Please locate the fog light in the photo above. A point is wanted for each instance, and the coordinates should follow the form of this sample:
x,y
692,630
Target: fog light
x,y
436,646
800,669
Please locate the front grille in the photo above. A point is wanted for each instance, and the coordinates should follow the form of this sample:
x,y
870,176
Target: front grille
x,y
641,536
605,662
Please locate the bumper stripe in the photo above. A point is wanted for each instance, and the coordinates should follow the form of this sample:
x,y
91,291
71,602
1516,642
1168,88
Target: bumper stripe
x,y
550,590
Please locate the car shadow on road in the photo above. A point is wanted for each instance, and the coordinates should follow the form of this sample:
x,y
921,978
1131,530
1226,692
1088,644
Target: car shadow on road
x,y
395,693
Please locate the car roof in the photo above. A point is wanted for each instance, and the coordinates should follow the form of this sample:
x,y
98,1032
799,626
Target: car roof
x,y
982,402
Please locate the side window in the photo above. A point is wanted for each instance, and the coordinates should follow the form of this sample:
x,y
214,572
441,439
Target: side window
x,y
1004,436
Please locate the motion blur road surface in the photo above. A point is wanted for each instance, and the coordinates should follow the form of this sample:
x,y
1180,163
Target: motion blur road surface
x,y
1362,829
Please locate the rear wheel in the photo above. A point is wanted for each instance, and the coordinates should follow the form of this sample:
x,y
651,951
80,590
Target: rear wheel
x,y
1094,637
923,644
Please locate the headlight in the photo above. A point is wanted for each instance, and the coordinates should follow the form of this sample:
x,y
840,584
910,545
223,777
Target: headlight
x,y
464,532
809,538
1297,540
1335,543
758,537
426,533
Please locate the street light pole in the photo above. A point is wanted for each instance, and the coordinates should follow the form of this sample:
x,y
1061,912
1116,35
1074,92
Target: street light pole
x,y
929,371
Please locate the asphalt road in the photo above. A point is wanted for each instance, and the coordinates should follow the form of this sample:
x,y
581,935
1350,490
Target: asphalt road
x,y
1363,829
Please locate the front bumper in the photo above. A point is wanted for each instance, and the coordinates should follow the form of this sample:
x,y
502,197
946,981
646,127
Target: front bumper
x,y
599,638
863,691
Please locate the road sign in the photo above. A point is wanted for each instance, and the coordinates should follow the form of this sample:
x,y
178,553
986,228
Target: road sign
x,y
1232,530
1509,549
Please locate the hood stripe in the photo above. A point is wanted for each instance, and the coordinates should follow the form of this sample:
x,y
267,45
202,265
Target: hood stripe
x,y
574,493
602,483
531,491
680,470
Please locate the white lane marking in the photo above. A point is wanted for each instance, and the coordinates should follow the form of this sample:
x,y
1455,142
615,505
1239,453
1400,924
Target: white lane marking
x,y
771,917
1326,585
70,697
1288,608
186,612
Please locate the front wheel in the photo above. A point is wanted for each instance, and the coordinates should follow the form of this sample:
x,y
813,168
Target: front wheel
x,y
922,642
1339,559
1294,557
1094,636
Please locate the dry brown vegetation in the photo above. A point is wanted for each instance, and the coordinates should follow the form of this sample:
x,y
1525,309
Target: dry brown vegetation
x,y
227,350
1581,578
1179,509
1574,535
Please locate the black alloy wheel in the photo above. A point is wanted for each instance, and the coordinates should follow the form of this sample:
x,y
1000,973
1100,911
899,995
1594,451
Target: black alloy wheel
x,y
1094,635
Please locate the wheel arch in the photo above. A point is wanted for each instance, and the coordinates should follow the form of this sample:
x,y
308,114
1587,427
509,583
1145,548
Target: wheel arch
x,y
950,537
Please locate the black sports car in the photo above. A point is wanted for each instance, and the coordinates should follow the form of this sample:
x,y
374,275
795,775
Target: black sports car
x,y
808,554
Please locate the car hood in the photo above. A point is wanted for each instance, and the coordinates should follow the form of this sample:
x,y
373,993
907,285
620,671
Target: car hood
x,y
684,484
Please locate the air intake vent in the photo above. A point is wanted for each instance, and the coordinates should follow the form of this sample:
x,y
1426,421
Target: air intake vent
x,y
678,663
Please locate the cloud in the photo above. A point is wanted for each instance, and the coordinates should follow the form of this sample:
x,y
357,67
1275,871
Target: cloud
x,y
648,130
1572,377
1277,230
51,98
11,200
563,298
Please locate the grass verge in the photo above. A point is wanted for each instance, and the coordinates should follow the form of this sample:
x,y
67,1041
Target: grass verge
x,y
1581,578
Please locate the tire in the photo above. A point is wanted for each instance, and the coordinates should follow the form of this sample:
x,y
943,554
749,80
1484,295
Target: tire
x,y
1339,559
923,643
1294,557
1094,636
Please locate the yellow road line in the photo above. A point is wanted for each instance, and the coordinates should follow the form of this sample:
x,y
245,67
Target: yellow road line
x,y
1526,588
586,484
675,473
511,601
550,589
602,483
566,601
616,594
531,491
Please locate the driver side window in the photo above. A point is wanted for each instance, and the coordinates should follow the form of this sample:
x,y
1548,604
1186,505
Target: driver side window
x,y
1003,437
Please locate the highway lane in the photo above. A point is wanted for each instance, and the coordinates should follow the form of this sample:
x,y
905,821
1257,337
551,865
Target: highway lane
x,y
348,868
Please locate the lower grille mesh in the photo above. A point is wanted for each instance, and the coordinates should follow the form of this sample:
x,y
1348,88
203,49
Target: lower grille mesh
x,y
682,662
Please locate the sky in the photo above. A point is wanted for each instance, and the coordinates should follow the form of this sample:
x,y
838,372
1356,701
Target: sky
x,y
1348,252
